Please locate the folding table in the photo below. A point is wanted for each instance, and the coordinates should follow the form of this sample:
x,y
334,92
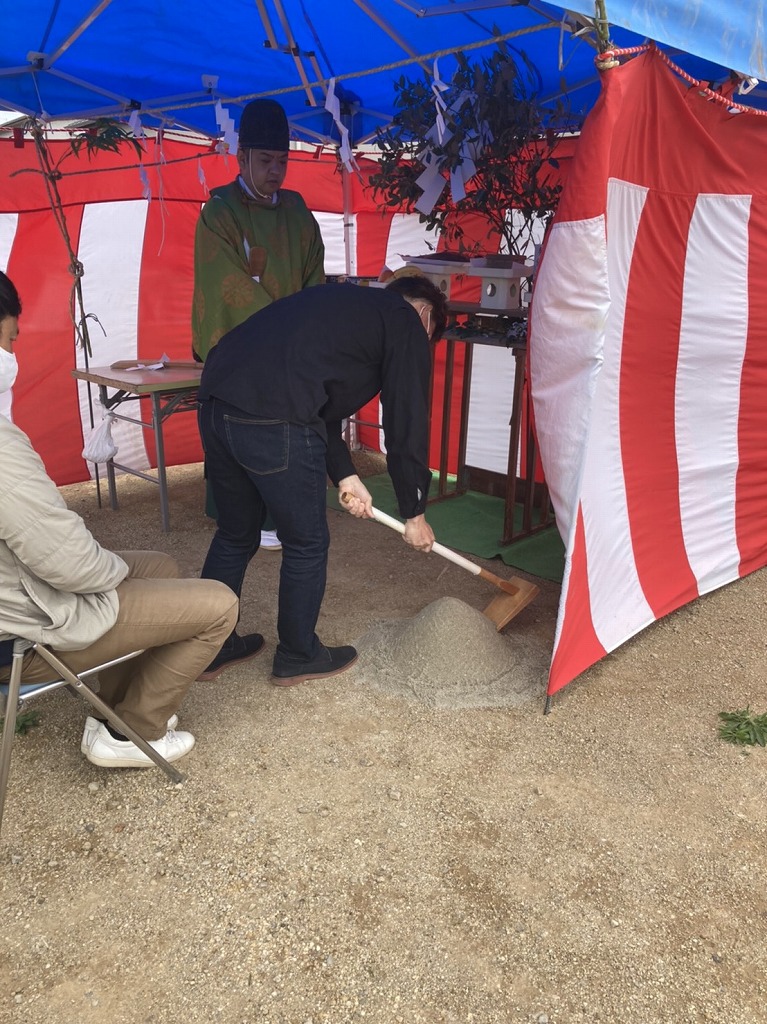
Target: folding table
x,y
171,389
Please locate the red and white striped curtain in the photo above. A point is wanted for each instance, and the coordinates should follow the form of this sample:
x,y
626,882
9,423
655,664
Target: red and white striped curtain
x,y
648,359
137,256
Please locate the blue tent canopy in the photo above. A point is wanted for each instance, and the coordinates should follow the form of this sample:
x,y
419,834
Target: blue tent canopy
x,y
171,60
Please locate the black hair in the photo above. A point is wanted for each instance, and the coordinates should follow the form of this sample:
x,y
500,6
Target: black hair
x,y
416,286
10,303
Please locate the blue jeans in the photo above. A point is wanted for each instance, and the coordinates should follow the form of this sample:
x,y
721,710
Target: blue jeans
x,y
255,466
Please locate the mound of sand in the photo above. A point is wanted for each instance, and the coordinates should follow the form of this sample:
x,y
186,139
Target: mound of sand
x,y
450,656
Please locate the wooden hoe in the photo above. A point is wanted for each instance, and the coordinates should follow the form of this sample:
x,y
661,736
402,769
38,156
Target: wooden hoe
x,y
517,593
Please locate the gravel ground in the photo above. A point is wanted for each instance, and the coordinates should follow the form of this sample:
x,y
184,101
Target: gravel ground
x,y
371,848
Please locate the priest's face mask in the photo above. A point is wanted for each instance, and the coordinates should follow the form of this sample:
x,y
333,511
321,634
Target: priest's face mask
x,y
263,170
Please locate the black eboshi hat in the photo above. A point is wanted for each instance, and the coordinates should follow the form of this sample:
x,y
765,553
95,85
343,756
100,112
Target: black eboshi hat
x,y
264,125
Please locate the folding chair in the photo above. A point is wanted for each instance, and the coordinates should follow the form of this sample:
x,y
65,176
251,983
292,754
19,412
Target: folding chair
x,y
14,694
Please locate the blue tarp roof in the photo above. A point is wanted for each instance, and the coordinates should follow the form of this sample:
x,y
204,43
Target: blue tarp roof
x,y
171,58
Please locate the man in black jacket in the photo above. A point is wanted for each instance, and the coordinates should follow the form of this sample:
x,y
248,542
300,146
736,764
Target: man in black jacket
x,y
273,396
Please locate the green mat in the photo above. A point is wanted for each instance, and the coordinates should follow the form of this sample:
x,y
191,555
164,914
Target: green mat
x,y
473,523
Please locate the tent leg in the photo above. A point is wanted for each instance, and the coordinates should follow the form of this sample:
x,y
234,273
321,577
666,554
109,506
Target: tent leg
x,y
547,706
350,262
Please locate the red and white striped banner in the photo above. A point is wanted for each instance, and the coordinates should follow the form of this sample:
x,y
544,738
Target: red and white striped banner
x,y
137,257
648,359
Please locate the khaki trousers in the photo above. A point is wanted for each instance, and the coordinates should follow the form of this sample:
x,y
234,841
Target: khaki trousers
x,y
180,624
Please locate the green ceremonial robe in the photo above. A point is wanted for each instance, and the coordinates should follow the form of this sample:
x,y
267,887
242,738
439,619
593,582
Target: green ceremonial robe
x,y
246,255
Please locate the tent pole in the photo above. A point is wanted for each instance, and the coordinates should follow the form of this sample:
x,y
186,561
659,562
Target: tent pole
x,y
547,705
50,177
75,34
352,429
266,22
348,221
601,25
383,24
293,48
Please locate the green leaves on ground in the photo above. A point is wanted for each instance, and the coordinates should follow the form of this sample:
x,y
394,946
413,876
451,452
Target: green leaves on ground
x,y
743,728
25,721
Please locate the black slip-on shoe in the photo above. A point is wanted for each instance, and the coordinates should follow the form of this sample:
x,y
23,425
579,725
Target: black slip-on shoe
x,y
235,650
330,661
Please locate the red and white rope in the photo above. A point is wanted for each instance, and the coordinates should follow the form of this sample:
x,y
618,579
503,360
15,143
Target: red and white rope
x,y
609,59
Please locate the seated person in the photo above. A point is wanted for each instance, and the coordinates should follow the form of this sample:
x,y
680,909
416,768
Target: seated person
x,y
59,587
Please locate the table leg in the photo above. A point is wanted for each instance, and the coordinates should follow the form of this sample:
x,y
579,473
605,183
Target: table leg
x,y
162,479
447,392
111,482
462,484
514,436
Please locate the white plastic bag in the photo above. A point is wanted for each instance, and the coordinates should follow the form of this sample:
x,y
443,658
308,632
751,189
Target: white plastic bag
x,y
100,447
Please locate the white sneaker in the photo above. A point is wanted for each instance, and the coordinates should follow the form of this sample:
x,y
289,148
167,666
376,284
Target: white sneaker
x,y
91,728
107,752
270,541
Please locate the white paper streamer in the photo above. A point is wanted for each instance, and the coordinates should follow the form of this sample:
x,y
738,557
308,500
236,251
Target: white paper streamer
x,y
161,161
333,107
432,181
226,126
134,121
470,152
201,176
146,188
437,88
457,184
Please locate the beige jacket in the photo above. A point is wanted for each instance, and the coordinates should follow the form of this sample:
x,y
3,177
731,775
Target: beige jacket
x,y
57,584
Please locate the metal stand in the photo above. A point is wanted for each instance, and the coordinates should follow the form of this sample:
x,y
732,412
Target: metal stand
x,y
76,683
496,330
163,404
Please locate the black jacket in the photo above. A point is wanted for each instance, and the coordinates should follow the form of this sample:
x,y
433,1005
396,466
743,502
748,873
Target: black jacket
x,y
317,357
